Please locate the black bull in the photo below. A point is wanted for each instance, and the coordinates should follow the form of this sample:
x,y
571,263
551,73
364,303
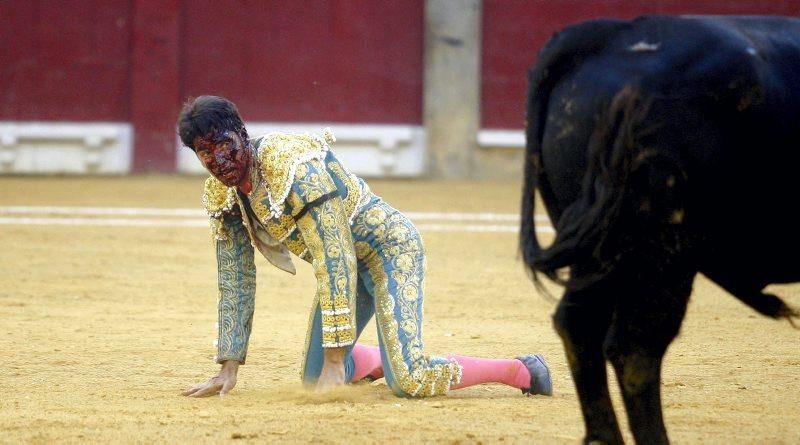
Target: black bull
x,y
661,147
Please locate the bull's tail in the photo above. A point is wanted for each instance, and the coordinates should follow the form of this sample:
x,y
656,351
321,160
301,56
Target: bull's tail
x,y
600,228
529,244
591,233
534,179
561,54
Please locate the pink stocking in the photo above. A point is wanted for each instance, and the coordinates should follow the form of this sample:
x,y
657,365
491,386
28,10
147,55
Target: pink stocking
x,y
367,361
475,370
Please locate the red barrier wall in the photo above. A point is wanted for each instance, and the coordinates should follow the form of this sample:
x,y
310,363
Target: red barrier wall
x,y
137,60
341,61
65,63
154,83
515,30
354,61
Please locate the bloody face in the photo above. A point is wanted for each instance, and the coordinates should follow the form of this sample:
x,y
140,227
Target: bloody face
x,y
225,155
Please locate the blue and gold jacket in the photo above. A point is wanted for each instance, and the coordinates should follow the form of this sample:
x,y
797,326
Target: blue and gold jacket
x,y
303,201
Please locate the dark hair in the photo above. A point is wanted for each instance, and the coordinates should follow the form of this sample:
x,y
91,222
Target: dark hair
x,y
206,114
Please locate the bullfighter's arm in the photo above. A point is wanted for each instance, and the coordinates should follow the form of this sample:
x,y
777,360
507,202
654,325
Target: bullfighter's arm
x,y
323,224
236,279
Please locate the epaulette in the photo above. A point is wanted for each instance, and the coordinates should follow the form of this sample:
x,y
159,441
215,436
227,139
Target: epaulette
x,y
279,154
218,199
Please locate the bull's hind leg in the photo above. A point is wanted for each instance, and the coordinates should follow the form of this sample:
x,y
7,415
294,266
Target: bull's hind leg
x,y
582,320
646,321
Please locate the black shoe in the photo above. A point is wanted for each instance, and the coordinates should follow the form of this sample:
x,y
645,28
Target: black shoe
x,y
540,375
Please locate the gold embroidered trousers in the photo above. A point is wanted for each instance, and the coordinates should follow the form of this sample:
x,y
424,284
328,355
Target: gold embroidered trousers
x,y
391,271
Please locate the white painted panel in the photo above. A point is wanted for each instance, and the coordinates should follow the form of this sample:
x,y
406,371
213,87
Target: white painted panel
x,y
65,147
501,138
367,150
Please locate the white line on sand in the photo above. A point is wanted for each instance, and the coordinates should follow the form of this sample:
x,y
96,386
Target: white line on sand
x,y
45,221
194,218
97,211
187,212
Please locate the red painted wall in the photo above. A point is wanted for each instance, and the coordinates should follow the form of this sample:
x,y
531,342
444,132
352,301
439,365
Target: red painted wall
x,y
515,30
65,63
155,100
137,60
326,60
356,61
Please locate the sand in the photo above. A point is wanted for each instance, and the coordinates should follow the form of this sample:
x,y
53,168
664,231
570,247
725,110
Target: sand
x,y
104,326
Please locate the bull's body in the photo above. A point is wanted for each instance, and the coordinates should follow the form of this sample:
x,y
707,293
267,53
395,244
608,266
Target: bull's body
x,y
662,147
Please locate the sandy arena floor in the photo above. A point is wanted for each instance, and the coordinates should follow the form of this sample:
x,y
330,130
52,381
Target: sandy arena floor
x,y
103,326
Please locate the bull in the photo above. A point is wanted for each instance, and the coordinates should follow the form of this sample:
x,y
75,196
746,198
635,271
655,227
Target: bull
x,y
662,147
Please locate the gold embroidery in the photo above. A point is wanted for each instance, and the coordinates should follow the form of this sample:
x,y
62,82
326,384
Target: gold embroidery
x,y
236,274
362,250
416,374
218,200
295,245
326,233
279,228
217,197
279,155
357,190
282,157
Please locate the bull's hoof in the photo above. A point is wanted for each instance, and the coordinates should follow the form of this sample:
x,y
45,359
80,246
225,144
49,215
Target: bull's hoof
x,y
540,375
